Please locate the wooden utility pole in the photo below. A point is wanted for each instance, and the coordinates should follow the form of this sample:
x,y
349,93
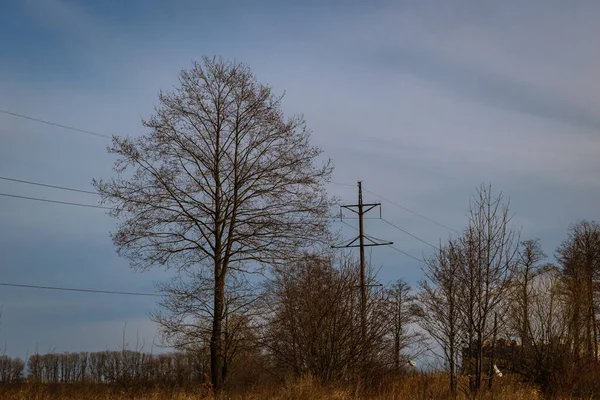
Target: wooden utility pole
x,y
363,288
361,209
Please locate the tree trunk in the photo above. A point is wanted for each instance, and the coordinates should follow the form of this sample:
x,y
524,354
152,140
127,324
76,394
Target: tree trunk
x,y
397,353
478,363
224,368
592,317
216,356
398,331
493,354
525,334
453,390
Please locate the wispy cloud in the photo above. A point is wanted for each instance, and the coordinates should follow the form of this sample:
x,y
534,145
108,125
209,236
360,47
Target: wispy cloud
x,y
490,88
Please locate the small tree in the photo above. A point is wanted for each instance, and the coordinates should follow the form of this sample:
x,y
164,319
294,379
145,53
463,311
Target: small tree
x,y
529,267
406,343
221,181
312,321
469,284
547,351
437,306
579,257
489,248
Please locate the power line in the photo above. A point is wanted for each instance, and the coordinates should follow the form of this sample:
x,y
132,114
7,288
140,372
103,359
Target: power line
x,y
406,254
50,186
409,234
334,219
347,224
108,208
331,219
54,201
78,290
344,184
400,206
412,212
54,124
393,247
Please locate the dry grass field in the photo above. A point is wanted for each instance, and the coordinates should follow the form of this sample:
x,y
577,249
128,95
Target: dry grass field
x,y
416,387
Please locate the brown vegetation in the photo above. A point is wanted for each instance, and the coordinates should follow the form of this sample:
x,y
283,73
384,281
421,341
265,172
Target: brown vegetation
x,y
414,387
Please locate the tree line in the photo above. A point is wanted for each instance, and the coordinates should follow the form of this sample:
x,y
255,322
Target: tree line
x,y
124,367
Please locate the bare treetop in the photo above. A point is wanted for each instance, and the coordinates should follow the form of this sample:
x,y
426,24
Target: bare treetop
x,y
221,169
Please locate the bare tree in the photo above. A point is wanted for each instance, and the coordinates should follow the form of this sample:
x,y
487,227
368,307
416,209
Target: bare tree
x,y
438,308
406,342
547,350
35,368
579,257
489,248
312,321
11,370
468,286
221,180
529,266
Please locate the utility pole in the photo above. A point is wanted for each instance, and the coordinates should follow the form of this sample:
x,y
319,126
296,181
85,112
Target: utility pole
x,y
361,209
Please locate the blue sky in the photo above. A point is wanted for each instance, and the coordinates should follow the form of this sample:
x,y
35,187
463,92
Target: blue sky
x,y
422,101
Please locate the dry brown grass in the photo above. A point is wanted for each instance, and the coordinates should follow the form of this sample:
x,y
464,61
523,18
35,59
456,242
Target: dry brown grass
x,y
416,387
